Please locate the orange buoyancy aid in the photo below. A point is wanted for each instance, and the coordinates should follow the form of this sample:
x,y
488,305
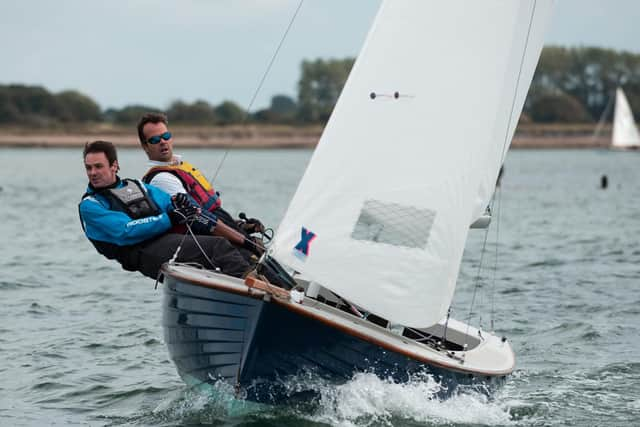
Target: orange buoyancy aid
x,y
193,181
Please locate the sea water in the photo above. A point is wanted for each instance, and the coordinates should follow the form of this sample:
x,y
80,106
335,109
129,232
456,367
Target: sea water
x,y
558,273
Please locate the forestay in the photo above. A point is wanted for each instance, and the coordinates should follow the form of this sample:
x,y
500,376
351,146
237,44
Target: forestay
x,y
410,155
625,132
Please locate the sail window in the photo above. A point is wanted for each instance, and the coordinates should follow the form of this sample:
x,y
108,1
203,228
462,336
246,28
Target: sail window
x,y
394,224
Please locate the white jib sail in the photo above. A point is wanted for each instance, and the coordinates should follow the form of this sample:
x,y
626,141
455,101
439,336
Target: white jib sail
x,y
410,155
625,132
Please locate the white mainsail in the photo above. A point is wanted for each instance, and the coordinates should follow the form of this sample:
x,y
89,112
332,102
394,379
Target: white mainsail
x,y
625,131
410,155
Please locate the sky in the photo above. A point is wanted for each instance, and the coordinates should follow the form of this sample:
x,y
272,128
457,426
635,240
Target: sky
x,y
153,52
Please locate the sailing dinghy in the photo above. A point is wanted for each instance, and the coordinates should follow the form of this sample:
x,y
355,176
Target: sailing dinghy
x,y
375,233
625,132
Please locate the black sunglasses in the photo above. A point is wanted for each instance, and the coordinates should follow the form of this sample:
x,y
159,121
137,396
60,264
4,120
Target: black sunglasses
x,y
156,138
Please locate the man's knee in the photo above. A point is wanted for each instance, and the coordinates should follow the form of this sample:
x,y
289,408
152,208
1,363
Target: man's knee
x,y
222,250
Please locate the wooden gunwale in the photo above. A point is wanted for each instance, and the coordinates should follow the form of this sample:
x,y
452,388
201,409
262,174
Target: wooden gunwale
x,y
258,289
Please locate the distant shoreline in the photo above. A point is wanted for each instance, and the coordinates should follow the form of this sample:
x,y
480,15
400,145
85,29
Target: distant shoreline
x,y
528,136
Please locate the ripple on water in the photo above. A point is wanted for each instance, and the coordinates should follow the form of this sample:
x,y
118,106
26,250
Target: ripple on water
x,y
553,262
91,295
16,285
584,308
577,394
41,310
631,368
6,286
619,275
50,386
139,333
87,392
512,290
49,355
633,309
567,327
591,335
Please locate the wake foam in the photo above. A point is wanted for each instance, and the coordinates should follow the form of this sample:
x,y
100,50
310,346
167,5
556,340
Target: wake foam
x,y
368,400
365,400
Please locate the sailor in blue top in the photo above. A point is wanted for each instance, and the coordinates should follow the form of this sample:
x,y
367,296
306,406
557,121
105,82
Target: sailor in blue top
x,y
129,221
114,226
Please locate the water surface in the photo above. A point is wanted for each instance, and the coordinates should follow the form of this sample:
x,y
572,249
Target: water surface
x,y
81,341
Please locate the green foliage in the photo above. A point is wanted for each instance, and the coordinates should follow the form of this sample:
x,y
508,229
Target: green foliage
x,y
76,107
198,113
228,113
558,108
128,115
632,92
319,87
9,112
283,105
283,109
588,74
29,105
35,106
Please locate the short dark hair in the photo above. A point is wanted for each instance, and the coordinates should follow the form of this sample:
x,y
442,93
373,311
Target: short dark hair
x,y
150,118
105,147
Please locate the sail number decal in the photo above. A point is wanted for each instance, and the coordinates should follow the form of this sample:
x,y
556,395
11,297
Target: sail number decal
x,y
302,248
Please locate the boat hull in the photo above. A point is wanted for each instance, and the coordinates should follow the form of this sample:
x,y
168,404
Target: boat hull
x,y
258,345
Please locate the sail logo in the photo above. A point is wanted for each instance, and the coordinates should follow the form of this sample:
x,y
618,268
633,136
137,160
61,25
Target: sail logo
x,y
301,250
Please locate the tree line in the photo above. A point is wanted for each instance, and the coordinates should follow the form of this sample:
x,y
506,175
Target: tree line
x,y
576,85
571,85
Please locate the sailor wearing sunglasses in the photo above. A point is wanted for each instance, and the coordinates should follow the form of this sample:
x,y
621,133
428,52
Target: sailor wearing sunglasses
x,y
169,172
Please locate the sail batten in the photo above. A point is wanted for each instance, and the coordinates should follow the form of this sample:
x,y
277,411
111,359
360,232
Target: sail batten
x,y
409,157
